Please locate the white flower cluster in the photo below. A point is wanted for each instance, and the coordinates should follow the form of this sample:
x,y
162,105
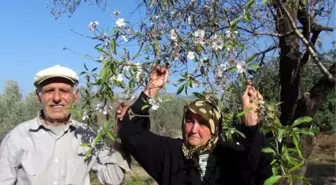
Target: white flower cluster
x,y
100,107
118,78
139,73
155,103
120,22
199,37
93,25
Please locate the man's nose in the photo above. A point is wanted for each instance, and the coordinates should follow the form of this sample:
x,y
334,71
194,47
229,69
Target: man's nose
x,y
57,96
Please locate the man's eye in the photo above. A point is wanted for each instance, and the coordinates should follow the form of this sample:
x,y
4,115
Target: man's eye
x,y
48,91
65,90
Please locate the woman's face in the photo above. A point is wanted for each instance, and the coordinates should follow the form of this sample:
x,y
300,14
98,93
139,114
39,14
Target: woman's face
x,y
196,130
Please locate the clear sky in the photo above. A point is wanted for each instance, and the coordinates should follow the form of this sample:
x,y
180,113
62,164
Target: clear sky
x,y
31,39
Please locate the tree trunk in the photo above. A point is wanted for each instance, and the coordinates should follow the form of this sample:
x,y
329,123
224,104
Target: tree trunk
x,y
289,65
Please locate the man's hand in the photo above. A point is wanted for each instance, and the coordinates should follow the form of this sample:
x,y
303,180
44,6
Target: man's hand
x,y
251,100
158,78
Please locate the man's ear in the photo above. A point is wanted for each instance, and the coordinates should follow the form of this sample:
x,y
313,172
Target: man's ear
x,y
38,97
76,95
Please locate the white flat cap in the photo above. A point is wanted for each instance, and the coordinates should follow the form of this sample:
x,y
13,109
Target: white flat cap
x,y
55,71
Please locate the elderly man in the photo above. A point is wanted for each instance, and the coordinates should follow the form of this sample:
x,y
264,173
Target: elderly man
x,y
47,149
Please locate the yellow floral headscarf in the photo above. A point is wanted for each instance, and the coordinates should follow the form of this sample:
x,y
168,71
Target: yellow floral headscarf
x,y
210,112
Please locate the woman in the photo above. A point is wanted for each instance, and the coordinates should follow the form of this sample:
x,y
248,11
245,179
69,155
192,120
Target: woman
x,y
201,157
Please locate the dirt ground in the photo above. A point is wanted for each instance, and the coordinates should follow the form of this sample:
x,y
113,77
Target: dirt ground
x,y
322,164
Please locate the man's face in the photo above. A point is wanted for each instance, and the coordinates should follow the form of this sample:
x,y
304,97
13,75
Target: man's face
x,y
57,96
196,131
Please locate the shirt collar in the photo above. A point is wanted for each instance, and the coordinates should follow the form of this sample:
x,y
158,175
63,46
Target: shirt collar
x,y
39,122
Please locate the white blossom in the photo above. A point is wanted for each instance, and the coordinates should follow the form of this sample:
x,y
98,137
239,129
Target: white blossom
x,y
120,22
140,72
120,78
176,55
93,25
217,43
195,84
199,37
85,115
241,67
219,72
173,35
280,139
133,96
155,103
105,111
99,107
191,55
230,35
237,143
127,68
199,33
139,76
116,12
125,38
189,20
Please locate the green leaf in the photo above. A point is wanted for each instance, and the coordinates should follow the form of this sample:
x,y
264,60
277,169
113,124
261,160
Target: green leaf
x,y
297,166
268,150
247,17
88,153
144,107
85,67
232,69
281,132
110,135
181,80
305,119
243,112
254,66
131,83
94,69
113,46
180,89
272,180
275,169
250,59
306,131
296,141
186,86
85,145
264,2
234,23
249,4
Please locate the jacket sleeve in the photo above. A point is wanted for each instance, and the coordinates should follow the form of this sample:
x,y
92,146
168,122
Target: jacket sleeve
x,y
146,147
258,163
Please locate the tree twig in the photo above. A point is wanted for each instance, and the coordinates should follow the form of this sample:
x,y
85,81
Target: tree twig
x,y
310,48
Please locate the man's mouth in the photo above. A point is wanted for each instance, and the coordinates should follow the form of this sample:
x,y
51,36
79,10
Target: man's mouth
x,y
56,106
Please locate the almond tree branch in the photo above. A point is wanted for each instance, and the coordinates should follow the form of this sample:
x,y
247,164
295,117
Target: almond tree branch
x,y
310,48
